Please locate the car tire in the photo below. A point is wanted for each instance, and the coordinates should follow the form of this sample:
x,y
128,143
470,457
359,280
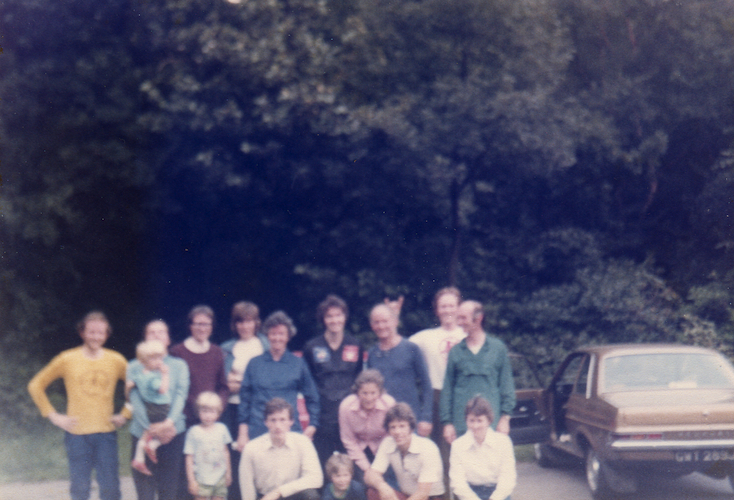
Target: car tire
x,y
596,477
544,455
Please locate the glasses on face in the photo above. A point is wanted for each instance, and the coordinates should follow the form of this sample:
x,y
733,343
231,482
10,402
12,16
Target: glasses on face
x,y
201,325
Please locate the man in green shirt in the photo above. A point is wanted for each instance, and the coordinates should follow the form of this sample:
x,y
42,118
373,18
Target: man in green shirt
x,y
478,365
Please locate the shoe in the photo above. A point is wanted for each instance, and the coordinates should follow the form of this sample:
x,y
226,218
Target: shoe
x,y
141,467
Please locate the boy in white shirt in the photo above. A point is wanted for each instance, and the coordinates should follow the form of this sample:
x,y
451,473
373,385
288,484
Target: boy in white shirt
x,y
208,468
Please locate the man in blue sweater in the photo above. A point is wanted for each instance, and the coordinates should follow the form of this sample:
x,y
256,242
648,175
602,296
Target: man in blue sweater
x,y
402,365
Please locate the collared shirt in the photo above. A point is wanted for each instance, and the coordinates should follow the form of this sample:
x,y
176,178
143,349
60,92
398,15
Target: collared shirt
x,y
178,388
237,355
422,464
435,344
487,463
334,372
487,373
290,468
360,429
266,379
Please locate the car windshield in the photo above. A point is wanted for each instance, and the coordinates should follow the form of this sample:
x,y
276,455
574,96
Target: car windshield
x,y
642,372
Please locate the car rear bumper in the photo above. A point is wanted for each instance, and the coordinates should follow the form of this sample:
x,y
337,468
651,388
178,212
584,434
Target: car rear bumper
x,y
673,445
676,457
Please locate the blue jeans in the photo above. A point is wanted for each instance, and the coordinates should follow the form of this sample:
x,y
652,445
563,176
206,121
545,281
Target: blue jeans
x,y
483,491
93,451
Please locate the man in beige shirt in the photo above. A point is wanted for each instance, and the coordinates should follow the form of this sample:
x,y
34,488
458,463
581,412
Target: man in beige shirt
x,y
281,463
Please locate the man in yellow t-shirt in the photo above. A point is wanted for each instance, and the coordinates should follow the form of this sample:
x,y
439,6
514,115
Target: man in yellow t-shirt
x,y
90,374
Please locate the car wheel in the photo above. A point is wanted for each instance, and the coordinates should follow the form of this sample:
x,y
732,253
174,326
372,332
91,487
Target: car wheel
x,y
544,455
596,477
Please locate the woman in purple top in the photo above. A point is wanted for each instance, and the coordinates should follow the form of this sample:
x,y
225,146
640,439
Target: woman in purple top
x,y
205,360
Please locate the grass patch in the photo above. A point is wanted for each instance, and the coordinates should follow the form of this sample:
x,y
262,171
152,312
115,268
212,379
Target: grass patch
x,y
40,455
525,453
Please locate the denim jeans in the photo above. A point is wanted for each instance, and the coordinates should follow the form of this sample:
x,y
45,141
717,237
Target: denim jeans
x,y
93,451
483,491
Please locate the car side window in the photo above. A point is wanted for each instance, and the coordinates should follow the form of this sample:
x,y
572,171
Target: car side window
x,y
583,379
565,382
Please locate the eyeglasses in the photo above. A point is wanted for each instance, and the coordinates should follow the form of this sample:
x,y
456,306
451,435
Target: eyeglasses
x,y
202,325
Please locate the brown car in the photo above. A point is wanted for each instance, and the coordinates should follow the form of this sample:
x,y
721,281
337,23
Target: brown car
x,y
633,410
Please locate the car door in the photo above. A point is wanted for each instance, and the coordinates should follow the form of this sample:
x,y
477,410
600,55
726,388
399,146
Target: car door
x,y
567,398
527,424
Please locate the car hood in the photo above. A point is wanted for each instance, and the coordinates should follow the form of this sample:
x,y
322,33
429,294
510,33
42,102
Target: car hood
x,y
673,407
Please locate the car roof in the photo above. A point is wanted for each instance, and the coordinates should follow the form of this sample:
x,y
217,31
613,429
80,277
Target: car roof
x,y
616,349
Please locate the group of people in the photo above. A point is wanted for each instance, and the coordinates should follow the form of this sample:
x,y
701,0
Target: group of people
x,y
223,422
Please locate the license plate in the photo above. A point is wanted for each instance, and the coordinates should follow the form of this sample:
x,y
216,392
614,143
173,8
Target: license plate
x,y
704,456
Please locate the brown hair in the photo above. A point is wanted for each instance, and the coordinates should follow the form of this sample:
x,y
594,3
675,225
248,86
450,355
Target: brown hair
x,y
201,309
369,376
280,318
400,412
276,405
448,290
242,311
478,406
329,302
336,462
93,316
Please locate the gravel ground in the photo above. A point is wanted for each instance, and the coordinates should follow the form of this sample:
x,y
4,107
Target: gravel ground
x,y
56,490
534,483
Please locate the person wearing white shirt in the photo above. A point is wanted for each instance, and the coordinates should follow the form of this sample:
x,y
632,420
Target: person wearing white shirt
x,y
281,463
414,459
482,461
435,344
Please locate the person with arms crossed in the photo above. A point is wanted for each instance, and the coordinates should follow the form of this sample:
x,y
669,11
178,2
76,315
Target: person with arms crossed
x,y
478,365
90,374
280,463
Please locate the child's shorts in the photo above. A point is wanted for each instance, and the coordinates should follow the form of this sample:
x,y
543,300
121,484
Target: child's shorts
x,y
217,490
